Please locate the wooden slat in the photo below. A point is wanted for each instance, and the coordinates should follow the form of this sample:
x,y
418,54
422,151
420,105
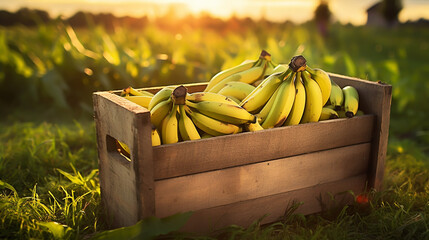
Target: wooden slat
x,y
375,98
245,212
244,148
123,183
210,189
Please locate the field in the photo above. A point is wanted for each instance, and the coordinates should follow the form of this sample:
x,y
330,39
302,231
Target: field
x,y
48,160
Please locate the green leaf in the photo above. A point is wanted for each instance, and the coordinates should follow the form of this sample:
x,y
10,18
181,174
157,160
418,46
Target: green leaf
x,y
148,228
8,186
58,230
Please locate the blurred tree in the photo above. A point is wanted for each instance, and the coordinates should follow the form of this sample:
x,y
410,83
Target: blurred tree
x,y
390,10
322,17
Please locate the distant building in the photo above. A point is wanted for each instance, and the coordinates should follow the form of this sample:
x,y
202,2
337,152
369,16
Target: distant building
x,y
375,16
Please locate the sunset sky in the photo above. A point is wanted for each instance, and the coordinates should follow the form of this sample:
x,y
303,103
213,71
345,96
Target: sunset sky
x,y
345,11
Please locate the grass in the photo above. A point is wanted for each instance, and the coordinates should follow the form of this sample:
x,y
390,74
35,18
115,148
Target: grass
x,y
49,185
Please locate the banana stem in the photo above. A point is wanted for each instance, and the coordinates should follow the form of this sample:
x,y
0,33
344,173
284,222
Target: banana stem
x,y
265,55
179,95
298,63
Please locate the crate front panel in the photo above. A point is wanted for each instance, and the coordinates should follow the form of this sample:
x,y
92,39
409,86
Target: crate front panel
x,y
225,186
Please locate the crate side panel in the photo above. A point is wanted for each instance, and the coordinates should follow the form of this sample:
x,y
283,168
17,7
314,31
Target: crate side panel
x,y
314,199
375,98
244,148
220,187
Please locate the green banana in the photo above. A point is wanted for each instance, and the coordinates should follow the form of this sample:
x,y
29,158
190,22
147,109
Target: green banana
x,y
169,131
238,90
209,96
337,97
328,113
160,111
262,115
262,93
322,78
313,104
160,96
298,107
210,125
223,112
282,104
351,101
187,128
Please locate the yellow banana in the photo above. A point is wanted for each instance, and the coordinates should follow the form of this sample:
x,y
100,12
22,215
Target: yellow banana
x,y
160,96
156,139
169,131
228,72
210,125
187,128
130,91
160,111
328,113
298,107
313,104
223,112
277,69
262,93
262,115
351,101
282,104
238,90
337,97
253,127
209,96
322,78
142,100
123,148
248,76
234,99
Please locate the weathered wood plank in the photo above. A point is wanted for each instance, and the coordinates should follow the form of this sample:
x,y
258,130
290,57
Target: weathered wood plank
x,y
244,148
243,213
220,187
375,98
124,183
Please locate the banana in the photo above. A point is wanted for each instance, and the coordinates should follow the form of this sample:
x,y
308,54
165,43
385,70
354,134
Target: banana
x,y
238,90
262,115
277,69
156,139
187,128
209,96
331,107
351,101
223,112
133,92
206,135
313,104
169,131
297,110
324,81
211,125
228,72
123,148
160,96
328,113
234,99
341,113
248,76
141,100
337,97
262,93
282,104
160,111
253,127
360,113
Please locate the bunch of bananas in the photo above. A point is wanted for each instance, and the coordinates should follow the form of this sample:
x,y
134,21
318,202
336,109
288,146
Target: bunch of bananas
x,y
252,96
343,103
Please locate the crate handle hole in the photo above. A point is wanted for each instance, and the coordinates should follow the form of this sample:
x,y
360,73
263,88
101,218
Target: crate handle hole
x,y
118,149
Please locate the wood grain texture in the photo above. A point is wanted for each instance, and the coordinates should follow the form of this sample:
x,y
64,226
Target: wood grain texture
x,y
220,187
124,183
314,199
375,98
239,149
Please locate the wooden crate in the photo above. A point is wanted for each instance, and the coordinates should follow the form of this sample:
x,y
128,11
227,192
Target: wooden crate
x,y
237,179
